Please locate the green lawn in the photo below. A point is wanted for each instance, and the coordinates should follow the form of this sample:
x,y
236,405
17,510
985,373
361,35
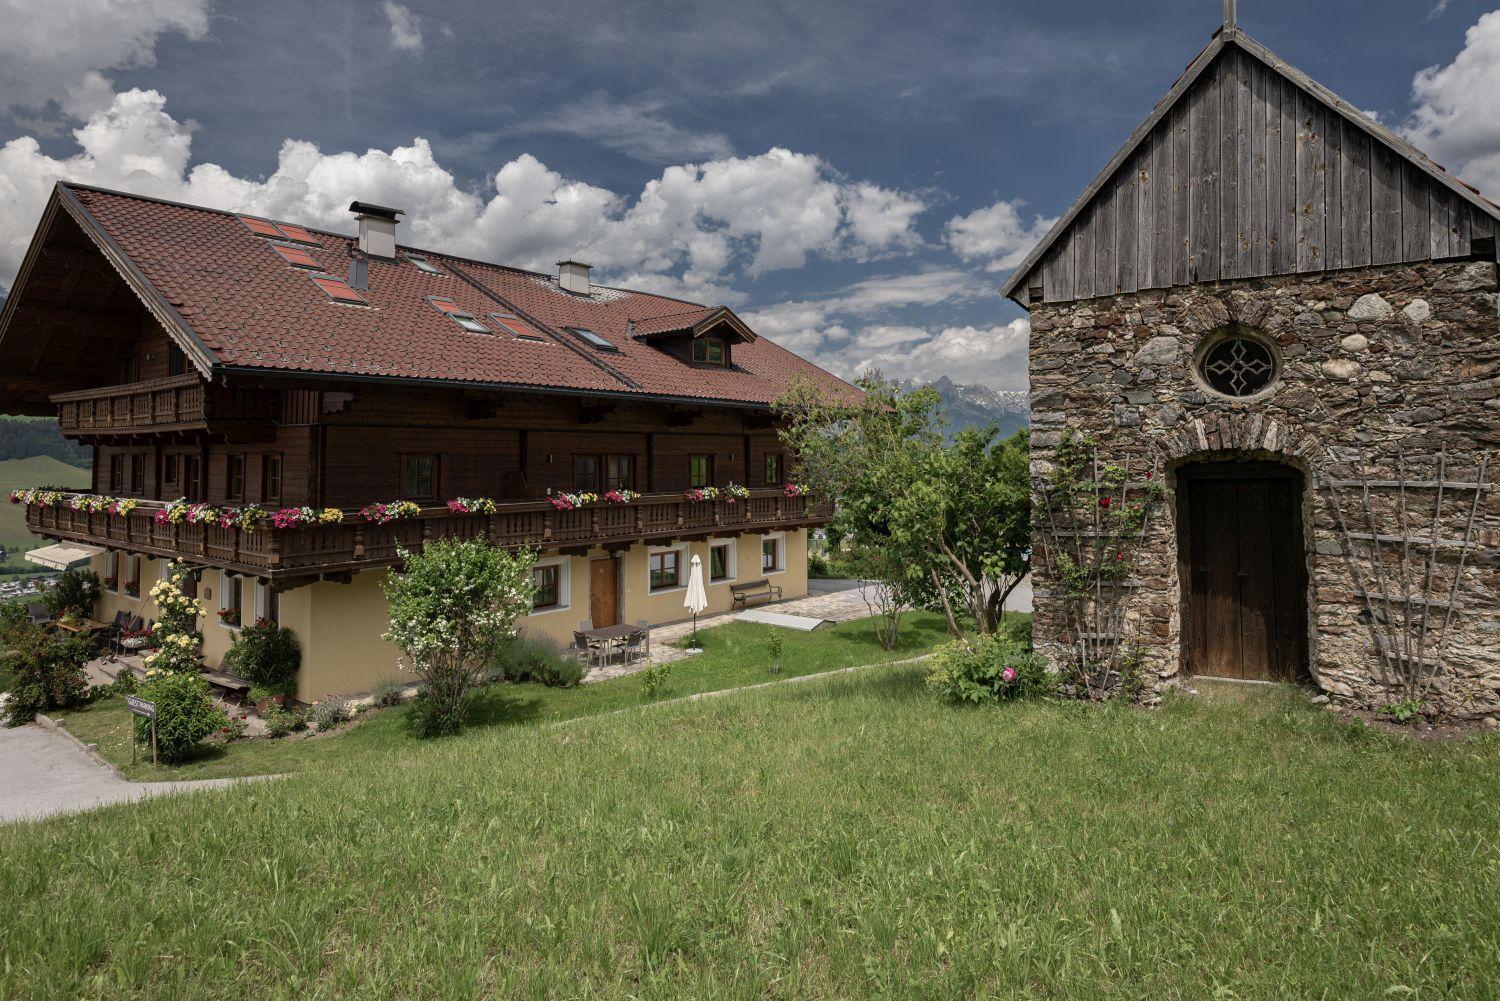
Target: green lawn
x,y
36,471
848,837
734,655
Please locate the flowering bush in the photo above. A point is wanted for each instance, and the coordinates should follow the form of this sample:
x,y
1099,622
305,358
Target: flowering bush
x,y
701,493
736,492
384,514
567,502
244,518
185,714
88,502
182,510
450,606
471,505
122,506
291,517
987,668
39,496
796,489
621,496
174,641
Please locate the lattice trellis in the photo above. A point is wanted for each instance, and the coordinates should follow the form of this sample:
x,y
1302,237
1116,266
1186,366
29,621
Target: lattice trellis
x,y
1391,545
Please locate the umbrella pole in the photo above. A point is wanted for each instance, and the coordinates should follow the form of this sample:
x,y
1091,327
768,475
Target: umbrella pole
x,y
695,630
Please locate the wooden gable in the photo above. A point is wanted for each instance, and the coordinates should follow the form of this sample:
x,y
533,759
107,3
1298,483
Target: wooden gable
x,y
1249,168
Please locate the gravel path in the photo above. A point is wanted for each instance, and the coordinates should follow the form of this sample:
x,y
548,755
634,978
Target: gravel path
x,y
43,773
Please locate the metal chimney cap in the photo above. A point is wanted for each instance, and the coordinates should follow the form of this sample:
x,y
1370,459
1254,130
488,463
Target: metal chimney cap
x,y
379,211
580,264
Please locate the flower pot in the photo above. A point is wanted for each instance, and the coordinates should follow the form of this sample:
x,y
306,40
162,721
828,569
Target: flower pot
x,y
262,704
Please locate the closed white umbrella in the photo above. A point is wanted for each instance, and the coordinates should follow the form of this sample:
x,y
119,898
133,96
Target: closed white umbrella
x,y
697,598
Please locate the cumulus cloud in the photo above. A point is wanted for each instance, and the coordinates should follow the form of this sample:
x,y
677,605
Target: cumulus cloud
x,y
56,51
406,34
997,235
993,356
636,129
1456,118
694,227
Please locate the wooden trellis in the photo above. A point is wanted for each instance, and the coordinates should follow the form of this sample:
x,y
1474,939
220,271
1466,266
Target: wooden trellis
x,y
1397,572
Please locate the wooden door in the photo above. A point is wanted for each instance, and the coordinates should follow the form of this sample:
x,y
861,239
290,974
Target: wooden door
x,y
1243,571
604,592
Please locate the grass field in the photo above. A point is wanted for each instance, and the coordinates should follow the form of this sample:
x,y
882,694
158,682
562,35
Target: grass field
x,y
846,837
733,655
36,471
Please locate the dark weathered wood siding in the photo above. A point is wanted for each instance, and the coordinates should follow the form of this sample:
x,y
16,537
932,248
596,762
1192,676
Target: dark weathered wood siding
x,y
1249,174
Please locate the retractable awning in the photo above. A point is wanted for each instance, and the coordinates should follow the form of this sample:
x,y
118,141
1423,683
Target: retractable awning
x,y
63,555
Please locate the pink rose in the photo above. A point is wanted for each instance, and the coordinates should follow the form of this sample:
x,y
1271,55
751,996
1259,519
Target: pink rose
x,y
1009,674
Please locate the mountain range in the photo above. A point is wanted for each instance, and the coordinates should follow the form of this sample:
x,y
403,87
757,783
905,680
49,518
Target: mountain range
x,y
970,406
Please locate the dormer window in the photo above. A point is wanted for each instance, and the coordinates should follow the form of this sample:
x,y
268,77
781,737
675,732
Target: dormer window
x,y
708,351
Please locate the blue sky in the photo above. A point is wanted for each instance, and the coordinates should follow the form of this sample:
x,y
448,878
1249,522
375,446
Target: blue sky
x,y
854,178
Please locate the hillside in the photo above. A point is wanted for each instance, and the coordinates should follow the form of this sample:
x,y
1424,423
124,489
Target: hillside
x,y
21,437
970,406
34,471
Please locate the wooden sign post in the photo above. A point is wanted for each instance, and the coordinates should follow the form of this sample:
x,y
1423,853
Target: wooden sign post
x,y
140,707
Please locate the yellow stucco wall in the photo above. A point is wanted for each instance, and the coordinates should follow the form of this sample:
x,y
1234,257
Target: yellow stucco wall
x,y
339,626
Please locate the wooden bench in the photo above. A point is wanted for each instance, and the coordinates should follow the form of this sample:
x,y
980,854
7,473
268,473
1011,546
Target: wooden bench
x,y
233,685
742,593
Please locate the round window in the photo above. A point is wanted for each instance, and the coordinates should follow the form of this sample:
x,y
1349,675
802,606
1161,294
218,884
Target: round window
x,y
1238,365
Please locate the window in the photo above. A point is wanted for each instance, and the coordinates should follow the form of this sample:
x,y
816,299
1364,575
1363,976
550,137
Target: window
x,y
171,469
419,477
192,477
700,470
231,596
138,474
297,257
117,474
620,472
270,478
773,470
424,265
262,227
111,580
591,339
772,553
1236,363
664,569
133,576
234,487
176,360
462,318
586,472
708,351
337,290
516,327
267,603
128,368
721,561
548,587
295,233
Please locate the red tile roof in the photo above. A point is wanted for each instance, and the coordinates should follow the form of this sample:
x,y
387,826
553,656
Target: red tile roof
x,y
251,311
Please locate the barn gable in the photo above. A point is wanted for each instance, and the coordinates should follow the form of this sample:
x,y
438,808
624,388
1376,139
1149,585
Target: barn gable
x,y
1249,168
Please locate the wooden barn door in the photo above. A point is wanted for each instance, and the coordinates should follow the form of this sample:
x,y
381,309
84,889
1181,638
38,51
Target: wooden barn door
x,y
604,592
1243,571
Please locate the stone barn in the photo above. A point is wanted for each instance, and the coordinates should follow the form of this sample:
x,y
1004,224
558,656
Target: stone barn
x,y
1273,325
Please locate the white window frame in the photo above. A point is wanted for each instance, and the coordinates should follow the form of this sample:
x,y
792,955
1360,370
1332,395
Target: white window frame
x,y
133,560
684,567
780,539
262,601
729,564
224,578
112,556
564,585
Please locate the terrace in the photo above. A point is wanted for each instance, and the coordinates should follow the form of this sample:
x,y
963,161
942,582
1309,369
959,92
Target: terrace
x,y
356,543
174,403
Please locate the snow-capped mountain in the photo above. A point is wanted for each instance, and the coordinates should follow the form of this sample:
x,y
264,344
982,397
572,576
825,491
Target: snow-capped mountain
x,y
975,406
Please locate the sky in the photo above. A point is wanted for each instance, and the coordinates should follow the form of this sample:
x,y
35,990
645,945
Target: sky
x,y
855,179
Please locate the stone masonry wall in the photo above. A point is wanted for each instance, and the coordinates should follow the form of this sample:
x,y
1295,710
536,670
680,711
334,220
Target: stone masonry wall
x,y
1375,361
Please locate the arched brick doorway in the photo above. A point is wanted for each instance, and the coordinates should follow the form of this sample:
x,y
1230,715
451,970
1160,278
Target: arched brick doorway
x,y
1242,568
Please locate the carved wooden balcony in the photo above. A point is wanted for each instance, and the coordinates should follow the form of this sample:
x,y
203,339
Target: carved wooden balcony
x,y
176,403
355,544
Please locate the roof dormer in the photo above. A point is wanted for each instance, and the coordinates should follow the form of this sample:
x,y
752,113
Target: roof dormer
x,y
703,337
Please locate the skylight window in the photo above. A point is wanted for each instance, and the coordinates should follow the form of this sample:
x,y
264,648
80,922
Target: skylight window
x,y
338,290
590,338
459,316
296,233
516,327
297,257
262,227
424,265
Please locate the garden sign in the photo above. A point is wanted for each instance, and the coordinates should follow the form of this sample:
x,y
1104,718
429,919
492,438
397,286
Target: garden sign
x,y
140,707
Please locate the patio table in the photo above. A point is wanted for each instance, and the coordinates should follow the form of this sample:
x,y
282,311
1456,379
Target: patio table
x,y
612,636
81,626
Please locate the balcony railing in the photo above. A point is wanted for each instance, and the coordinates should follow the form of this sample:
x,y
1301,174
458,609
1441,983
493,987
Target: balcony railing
x,y
356,544
175,403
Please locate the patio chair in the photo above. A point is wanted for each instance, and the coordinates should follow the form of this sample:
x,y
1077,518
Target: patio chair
x,y
639,643
589,649
116,629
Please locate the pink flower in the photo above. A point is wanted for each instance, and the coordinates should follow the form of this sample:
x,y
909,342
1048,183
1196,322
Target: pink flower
x,y
1104,502
1009,674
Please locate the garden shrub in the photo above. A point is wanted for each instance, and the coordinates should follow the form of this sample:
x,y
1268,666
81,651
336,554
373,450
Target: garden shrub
x,y
541,659
654,679
47,672
265,654
74,590
987,669
281,721
185,714
388,693
328,713
175,637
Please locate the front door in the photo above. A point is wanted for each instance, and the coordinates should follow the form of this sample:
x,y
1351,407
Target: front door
x,y
604,592
1243,571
